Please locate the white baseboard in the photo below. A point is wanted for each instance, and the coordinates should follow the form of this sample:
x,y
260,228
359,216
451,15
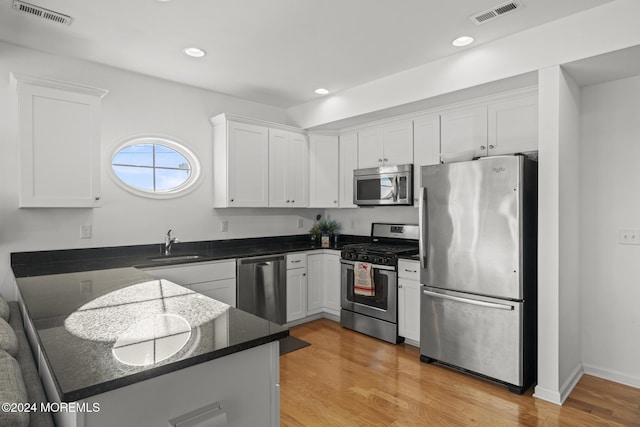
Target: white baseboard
x,y
559,396
571,382
547,394
611,375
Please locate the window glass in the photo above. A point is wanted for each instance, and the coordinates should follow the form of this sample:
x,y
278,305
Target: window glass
x,y
154,166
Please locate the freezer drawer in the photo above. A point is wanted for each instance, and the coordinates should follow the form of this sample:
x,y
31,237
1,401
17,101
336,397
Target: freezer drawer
x,y
478,334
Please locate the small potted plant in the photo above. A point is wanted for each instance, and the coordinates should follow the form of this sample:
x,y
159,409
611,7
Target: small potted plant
x,y
328,231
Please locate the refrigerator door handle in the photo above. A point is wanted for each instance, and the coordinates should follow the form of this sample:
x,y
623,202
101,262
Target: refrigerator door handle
x,y
469,301
422,224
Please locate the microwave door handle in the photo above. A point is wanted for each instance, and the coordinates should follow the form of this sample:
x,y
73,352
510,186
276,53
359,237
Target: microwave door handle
x,y
395,188
422,226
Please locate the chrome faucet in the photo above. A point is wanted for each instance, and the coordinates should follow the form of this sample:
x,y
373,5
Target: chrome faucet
x,y
168,242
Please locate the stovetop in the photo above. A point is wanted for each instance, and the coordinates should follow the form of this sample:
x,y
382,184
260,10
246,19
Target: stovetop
x,y
377,253
387,242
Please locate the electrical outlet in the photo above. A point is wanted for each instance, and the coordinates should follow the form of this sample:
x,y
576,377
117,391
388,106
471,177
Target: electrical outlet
x,y
224,226
300,223
85,231
629,237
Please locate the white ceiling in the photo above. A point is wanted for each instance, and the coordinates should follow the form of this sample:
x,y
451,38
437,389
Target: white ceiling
x,y
270,51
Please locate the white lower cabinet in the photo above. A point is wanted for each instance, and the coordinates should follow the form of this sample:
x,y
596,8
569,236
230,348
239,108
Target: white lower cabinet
x,y
216,279
323,284
315,283
332,282
296,286
409,300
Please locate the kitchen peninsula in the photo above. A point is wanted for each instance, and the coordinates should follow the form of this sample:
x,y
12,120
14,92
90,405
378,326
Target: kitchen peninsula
x,y
148,351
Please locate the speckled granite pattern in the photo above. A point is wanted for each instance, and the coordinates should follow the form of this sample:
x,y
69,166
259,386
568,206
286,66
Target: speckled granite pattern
x,y
79,317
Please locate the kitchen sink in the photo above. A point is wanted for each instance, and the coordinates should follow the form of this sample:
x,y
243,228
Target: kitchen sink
x,y
174,258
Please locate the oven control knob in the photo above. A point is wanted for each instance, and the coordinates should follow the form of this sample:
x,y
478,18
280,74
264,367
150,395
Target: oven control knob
x,y
384,261
365,258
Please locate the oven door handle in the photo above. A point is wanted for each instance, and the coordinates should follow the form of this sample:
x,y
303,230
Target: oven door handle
x,y
375,266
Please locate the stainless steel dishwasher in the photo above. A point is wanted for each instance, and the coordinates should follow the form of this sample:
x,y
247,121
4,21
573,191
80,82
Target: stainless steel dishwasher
x,y
262,287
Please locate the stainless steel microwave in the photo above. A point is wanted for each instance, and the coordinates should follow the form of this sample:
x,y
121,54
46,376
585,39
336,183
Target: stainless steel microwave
x,y
384,186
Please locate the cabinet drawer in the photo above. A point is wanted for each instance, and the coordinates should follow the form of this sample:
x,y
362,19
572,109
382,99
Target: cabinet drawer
x,y
221,290
298,260
196,272
409,269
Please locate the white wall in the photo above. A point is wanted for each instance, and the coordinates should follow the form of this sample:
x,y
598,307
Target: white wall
x,y
559,366
570,369
358,220
135,105
610,201
609,27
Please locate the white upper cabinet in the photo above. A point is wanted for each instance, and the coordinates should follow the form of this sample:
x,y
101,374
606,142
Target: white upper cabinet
x,y
464,129
59,127
240,164
513,125
503,125
426,148
323,171
348,163
389,144
248,168
288,169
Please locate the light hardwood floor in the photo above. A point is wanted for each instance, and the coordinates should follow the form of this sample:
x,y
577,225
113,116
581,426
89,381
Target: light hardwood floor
x,y
348,379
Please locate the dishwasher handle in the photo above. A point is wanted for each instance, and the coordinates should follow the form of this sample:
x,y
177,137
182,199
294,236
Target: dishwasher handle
x,y
261,260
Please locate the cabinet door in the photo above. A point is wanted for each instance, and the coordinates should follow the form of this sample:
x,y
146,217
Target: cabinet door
x,y
426,148
296,294
315,283
59,126
299,171
398,143
248,165
279,168
464,129
370,148
221,290
332,284
409,309
513,125
348,163
323,171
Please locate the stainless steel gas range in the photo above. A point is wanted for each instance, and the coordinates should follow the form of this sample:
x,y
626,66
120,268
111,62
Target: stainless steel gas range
x,y
369,280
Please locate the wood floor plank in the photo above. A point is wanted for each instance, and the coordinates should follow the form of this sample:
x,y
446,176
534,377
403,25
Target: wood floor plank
x,y
349,379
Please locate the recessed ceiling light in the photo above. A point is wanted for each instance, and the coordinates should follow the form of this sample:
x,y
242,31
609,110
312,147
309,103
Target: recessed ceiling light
x,y
462,41
195,52
321,91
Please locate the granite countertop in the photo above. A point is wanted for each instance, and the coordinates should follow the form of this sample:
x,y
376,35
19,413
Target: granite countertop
x,y
25,264
105,329
103,324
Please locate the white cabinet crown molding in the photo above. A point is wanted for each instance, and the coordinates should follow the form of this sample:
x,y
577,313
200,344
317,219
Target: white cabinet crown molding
x,y
16,79
221,119
442,108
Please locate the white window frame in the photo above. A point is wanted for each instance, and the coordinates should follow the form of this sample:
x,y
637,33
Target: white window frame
x,y
170,142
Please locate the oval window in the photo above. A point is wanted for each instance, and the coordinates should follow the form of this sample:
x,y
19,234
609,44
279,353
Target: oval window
x,y
155,166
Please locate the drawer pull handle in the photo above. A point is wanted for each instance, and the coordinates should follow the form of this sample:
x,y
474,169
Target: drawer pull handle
x,y
410,271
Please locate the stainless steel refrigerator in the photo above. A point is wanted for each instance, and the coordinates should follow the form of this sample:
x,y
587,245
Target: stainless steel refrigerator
x,y
478,234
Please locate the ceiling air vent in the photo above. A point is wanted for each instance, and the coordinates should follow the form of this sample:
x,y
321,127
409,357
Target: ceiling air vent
x,y
496,11
41,12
